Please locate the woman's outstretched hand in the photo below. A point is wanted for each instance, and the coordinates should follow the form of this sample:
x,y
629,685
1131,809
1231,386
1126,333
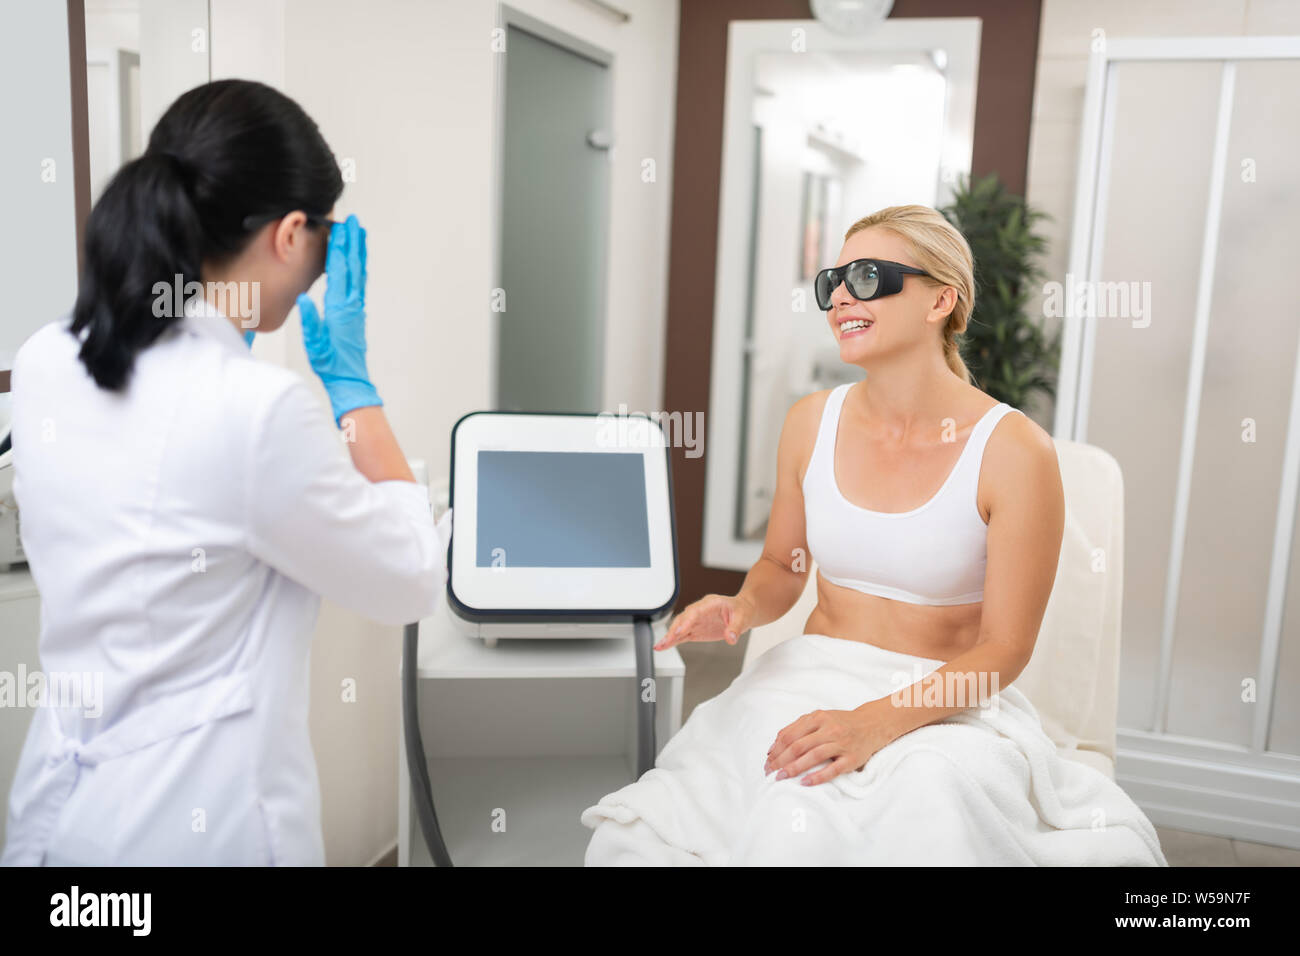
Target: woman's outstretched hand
x,y
714,617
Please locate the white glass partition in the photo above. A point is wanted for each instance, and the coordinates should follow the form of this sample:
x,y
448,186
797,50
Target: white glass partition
x,y
1185,366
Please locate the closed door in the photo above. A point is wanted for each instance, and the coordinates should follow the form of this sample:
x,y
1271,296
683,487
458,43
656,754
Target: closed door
x,y
554,219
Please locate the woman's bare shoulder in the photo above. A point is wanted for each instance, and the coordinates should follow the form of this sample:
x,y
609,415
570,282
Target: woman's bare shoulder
x,y
810,406
1026,434
799,434
1020,458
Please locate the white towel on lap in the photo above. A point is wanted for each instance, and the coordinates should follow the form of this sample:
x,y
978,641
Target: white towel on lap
x,y
983,787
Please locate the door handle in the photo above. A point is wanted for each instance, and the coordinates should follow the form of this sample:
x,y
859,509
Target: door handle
x,y
599,139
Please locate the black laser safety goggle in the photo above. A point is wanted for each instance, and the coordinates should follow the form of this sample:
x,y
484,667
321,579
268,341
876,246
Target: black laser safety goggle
x,y
864,278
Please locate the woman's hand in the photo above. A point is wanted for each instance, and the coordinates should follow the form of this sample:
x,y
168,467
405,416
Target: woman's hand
x,y
847,738
336,347
714,617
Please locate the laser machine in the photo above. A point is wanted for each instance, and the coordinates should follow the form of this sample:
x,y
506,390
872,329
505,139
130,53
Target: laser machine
x,y
563,527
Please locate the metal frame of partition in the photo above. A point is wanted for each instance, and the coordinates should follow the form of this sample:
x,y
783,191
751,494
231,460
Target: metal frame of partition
x,y
1159,756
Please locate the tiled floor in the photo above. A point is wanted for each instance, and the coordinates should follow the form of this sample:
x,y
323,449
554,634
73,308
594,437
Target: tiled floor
x,y
1183,848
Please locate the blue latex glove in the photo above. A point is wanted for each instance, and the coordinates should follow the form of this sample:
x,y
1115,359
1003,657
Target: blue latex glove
x,y
336,347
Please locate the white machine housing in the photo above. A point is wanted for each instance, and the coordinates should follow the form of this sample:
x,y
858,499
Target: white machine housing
x,y
537,484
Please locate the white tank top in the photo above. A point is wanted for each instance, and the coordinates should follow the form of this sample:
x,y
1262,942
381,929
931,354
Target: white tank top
x,y
934,554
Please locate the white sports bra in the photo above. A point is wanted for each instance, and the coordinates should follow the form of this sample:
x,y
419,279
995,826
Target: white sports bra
x,y
934,554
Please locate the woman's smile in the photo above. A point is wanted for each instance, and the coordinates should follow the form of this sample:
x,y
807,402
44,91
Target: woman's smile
x,y
855,326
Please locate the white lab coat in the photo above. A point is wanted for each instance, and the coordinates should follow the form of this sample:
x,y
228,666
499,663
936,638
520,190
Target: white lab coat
x,y
181,535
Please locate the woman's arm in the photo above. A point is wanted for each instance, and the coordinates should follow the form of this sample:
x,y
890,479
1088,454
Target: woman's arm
x,y
358,532
373,446
1026,525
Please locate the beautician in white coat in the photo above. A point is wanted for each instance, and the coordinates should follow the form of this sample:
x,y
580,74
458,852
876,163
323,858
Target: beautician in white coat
x,y
185,506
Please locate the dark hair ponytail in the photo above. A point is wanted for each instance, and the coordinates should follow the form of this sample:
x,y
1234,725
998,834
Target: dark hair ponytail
x,y
222,152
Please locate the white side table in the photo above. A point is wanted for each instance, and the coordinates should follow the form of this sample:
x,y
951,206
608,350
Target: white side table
x,y
524,736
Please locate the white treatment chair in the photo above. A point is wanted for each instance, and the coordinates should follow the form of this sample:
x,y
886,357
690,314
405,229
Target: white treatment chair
x,y
1073,677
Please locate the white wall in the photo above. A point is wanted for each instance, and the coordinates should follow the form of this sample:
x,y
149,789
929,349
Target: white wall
x,y
38,246
404,89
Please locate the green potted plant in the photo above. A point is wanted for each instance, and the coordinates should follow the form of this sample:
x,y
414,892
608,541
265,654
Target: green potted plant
x,y
1007,352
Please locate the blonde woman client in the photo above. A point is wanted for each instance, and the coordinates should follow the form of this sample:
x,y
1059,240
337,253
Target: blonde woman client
x,y
935,516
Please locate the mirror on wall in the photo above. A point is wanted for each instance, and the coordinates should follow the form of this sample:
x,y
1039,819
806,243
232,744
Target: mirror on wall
x,y
820,129
140,55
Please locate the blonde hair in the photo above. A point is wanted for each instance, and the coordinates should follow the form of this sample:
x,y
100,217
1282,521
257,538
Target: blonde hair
x,y
940,249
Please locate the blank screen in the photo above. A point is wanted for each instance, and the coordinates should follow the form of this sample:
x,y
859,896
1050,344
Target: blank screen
x,y
545,509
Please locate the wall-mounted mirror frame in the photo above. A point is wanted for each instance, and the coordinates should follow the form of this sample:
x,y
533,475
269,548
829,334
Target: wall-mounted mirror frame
x,y
724,546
